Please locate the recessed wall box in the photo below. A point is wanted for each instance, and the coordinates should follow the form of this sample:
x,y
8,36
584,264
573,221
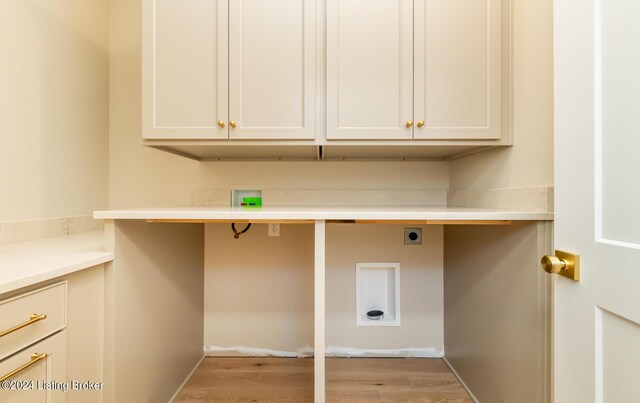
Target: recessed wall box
x,y
246,198
378,289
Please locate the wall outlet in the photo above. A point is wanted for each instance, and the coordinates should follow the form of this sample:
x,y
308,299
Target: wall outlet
x,y
274,229
413,236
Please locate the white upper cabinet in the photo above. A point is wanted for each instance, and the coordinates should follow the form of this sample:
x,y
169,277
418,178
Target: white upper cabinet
x,y
369,69
458,69
185,69
314,73
423,69
220,69
272,69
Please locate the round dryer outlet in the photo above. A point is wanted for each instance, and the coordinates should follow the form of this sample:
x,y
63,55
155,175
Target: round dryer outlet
x,y
413,236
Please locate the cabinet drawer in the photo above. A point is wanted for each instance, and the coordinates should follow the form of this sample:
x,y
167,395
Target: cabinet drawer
x,y
26,310
44,380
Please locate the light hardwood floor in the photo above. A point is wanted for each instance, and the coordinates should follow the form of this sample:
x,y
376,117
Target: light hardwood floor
x,y
351,380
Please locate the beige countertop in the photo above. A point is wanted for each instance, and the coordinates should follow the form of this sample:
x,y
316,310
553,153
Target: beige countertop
x,y
26,263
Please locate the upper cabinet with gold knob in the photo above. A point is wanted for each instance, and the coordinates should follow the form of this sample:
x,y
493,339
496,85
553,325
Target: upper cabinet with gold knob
x,y
272,69
458,69
221,69
184,69
437,62
325,79
369,69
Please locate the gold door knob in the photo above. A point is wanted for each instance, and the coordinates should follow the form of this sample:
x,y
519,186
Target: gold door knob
x,y
420,123
409,123
232,123
221,124
562,263
553,264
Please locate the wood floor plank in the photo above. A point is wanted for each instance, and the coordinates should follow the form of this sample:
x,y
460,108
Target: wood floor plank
x,y
353,380
434,381
334,396
386,365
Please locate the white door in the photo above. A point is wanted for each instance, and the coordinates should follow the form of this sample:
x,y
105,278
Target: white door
x,y
458,79
184,69
272,69
597,157
369,69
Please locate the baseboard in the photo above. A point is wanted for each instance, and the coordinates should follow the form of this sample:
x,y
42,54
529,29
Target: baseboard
x,y
330,351
464,385
241,351
428,352
175,395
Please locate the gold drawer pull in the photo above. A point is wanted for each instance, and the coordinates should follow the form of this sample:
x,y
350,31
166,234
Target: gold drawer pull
x,y
32,319
34,359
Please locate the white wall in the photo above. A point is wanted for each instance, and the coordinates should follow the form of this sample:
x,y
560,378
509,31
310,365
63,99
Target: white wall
x,y
421,286
138,176
529,163
54,108
328,175
259,289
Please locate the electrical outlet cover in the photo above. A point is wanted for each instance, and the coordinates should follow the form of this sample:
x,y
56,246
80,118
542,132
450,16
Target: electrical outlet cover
x,y
274,229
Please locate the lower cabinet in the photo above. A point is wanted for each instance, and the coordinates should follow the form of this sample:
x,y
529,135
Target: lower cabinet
x,y
37,373
31,317
51,341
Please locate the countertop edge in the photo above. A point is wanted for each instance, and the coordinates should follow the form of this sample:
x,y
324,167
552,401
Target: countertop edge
x,y
331,214
43,276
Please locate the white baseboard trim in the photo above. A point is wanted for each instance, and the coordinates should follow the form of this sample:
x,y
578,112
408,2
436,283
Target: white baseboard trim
x,y
411,352
330,351
175,395
241,351
464,385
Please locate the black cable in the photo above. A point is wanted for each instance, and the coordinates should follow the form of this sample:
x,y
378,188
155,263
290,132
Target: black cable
x,y
237,234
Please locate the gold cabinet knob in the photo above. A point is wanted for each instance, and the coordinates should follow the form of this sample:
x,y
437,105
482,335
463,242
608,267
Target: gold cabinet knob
x,y
232,123
409,123
553,264
566,264
221,124
420,123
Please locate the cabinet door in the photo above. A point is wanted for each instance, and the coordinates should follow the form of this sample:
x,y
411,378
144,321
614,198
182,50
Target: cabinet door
x,y
185,69
369,69
44,380
272,69
458,69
